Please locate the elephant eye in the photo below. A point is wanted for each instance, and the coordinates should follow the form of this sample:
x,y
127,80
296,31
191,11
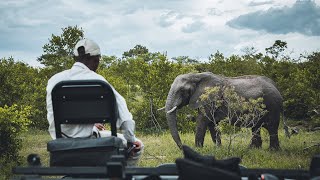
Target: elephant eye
x,y
187,92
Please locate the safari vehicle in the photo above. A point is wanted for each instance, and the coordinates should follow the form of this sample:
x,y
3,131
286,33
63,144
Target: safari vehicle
x,y
92,101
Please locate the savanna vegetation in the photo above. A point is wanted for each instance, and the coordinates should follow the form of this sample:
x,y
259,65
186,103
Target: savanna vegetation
x,y
144,79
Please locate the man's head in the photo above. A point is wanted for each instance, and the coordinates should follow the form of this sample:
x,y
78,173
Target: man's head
x,y
87,52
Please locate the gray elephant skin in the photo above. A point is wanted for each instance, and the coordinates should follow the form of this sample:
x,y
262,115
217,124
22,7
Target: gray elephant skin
x,y
187,88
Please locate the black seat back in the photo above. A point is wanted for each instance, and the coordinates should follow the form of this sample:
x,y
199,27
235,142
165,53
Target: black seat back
x,y
83,102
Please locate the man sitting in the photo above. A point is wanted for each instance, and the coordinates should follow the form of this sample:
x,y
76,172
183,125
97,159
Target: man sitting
x,y
87,56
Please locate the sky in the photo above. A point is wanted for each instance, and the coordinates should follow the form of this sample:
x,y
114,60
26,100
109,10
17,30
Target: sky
x,y
194,28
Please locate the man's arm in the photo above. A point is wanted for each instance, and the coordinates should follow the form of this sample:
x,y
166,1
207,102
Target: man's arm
x,y
125,120
50,118
128,128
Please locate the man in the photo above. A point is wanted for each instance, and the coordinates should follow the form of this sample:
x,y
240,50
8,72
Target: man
x,y
87,56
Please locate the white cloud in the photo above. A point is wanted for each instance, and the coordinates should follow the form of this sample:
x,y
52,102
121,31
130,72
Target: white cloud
x,y
22,56
180,27
167,19
303,17
193,27
259,3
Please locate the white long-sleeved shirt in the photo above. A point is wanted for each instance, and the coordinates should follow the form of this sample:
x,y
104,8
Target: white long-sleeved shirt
x,y
79,71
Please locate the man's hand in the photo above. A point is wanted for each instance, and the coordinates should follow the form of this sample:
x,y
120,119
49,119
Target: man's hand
x,y
99,126
137,148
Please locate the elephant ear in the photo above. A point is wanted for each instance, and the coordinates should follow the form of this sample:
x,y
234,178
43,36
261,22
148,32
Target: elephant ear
x,y
205,81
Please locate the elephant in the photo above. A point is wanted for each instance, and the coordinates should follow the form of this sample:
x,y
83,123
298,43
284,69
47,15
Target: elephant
x,y
187,88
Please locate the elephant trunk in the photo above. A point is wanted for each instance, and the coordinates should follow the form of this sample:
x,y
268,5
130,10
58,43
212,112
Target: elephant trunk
x,y
171,114
172,122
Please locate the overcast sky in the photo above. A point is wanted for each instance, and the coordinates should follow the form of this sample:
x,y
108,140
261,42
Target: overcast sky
x,y
194,28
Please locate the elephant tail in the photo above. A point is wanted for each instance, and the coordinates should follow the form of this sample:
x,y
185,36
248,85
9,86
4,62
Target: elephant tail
x,y
285,126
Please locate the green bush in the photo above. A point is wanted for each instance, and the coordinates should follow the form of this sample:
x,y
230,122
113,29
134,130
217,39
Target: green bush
x,y
23,84
13,121
239,112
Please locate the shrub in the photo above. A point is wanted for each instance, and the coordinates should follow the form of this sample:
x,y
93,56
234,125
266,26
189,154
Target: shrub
x,y
13,121
238,111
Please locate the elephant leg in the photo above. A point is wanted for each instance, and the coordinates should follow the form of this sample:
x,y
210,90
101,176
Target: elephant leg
x,y
274,140
256,141
215,135
200,130
272,128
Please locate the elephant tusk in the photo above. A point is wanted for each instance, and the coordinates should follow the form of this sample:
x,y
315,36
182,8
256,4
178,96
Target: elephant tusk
x,y
160,109
173,109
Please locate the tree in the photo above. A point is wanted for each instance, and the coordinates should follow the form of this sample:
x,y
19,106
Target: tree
x,y
277,48
58,53
250,51
138,50
218,56
185,60
107,61
302,93
218,63
16,81
313,76
234,65
25,86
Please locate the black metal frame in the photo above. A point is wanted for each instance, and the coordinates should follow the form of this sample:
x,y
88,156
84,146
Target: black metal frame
x,y
131,171
84,102
116,169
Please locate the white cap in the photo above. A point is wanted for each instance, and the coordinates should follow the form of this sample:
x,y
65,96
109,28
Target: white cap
x,y
89,47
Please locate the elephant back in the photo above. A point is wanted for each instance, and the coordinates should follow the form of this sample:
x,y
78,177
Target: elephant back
x,y
253,86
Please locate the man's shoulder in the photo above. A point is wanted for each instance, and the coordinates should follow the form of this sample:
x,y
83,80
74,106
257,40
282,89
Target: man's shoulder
x,y
100,77
56,78
59,75
93,75
71,75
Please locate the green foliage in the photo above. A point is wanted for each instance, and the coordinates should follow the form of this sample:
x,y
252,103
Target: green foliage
x,y
25,86
277,48
238,111
36,99
312,83
58,53
234,65
137,51
15,78
13,121
294,81
106,61
185,60
144,79
186,124
297,82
